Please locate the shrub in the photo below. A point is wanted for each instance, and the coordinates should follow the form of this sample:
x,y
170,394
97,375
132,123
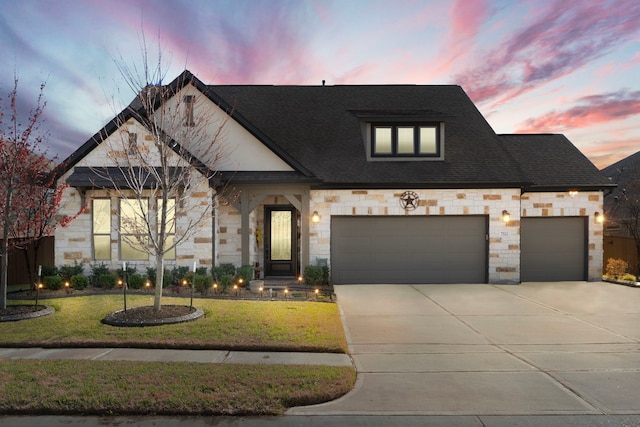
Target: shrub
x,y
79,281
49,270
225,281
179,272
52,283
315,275
97,270
167,279
107,281
202,283
135,281
245,273
67,271
616,268
151,274
201,271
224,269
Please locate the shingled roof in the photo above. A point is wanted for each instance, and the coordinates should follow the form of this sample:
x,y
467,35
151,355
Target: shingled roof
x,y
552,162
319,132
321,127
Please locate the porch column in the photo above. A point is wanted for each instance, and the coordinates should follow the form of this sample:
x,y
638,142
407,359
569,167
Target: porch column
x,y
244,225
305,217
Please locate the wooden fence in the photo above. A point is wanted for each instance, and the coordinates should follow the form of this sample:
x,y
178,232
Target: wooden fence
x,y
621,248
17,271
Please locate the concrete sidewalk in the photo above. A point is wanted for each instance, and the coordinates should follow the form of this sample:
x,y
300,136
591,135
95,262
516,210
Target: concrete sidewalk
x,y
168,355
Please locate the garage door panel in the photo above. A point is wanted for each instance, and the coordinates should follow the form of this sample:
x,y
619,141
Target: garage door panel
x,y
553,249
448,249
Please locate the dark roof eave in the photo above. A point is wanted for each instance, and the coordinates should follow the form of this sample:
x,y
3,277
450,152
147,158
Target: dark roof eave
x,y
550,188
418,185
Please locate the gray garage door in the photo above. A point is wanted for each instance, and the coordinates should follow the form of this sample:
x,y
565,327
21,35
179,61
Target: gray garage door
x,y
435,249
553,249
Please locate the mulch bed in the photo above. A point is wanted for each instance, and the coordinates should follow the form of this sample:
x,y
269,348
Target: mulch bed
x,y
147,316
19,312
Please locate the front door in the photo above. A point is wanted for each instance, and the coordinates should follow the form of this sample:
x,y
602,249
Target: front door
x,y
280,248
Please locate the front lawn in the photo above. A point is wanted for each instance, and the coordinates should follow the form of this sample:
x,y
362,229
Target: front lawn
x,y
71,387
227,324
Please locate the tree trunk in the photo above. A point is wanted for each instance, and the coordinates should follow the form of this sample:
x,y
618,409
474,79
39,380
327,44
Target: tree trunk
x,y
159,277
4,250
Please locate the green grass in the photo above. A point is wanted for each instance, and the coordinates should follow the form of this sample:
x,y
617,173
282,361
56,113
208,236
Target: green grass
x,y
118,388
227,324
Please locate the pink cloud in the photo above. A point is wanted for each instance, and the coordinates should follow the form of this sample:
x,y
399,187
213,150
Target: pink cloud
x,y
565,36
590,110
467,18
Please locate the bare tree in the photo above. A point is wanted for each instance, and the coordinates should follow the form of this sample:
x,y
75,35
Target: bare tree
x,y
157,174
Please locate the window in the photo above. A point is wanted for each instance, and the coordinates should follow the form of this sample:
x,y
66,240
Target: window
x,y
101,210
134,215
189,100
405,140
170,230
133,143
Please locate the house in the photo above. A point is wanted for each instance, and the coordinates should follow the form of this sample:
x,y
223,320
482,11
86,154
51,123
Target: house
x,y
385,183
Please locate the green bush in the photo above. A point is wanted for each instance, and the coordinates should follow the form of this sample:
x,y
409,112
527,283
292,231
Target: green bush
x,y
107,281
245,273
201,271
224,269
225,281
135,281
316,275
98,270
202,283
67,271
167,279
79,281
49,270
52,283
616,268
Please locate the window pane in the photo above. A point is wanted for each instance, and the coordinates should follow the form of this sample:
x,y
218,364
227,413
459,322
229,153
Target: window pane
x,y
428,139
171,254
171,215
102,247
132,250
405,140
132,214
281,235
382,139
101,216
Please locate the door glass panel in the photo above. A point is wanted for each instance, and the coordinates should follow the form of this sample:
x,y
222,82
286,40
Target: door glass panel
x,y
281,235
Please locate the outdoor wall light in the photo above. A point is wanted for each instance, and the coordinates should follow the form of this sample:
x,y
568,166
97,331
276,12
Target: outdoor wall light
x,y
505,216
573,193
598,217
315,217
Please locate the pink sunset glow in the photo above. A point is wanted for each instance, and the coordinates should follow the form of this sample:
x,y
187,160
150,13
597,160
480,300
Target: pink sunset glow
x,y
566,66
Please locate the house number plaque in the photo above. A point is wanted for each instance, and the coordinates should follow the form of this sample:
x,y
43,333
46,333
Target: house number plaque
x,y
409,200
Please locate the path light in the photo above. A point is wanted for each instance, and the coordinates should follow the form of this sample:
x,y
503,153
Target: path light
x,y
235,288
300,278
66,284
184,282
261,289
505,216
40,286
286,292
119,282
147,285
215,288
241,280
598,217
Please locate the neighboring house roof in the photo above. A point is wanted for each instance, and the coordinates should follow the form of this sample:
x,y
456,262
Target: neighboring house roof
x,y
551,162
626,174
319,132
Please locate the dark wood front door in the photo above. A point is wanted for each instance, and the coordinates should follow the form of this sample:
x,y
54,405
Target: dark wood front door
x,y
280,248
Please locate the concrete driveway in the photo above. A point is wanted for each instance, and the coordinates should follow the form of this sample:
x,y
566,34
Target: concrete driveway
x,y
529,349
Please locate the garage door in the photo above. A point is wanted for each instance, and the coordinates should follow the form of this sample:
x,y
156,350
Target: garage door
x,y
553,249
442,249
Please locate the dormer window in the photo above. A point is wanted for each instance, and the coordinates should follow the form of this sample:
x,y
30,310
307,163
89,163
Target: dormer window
x,y
405,140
